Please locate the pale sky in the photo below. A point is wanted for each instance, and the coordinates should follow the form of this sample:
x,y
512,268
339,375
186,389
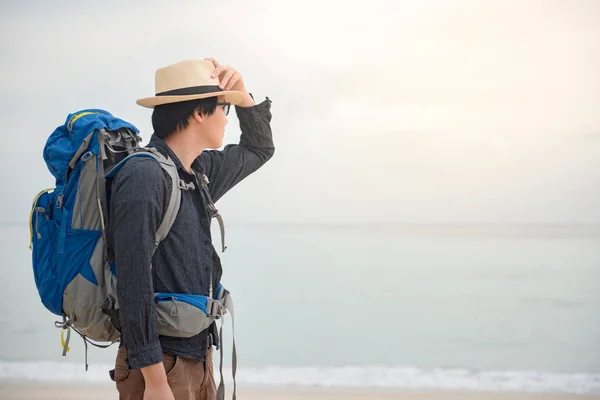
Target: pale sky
x,y
394,111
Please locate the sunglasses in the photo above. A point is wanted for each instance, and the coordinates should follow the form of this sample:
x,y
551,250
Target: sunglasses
x,y
226,106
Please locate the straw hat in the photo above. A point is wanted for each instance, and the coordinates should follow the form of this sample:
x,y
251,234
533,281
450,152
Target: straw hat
x,y
187,80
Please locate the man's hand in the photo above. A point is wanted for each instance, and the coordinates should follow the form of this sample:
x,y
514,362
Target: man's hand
x,y
157,387
231,79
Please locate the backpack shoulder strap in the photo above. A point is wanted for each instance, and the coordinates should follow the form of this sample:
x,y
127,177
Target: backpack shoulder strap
x,y
175,197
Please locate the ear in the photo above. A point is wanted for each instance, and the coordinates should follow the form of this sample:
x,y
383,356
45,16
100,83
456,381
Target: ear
x,y
197,116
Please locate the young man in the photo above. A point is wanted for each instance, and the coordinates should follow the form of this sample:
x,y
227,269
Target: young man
x,y
191,104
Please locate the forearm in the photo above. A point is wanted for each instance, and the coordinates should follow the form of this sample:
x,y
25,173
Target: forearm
x,y
255,127
228,167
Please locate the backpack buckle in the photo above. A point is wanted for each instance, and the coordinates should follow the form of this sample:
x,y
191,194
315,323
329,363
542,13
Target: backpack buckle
x,y
214,308
86,156
183,185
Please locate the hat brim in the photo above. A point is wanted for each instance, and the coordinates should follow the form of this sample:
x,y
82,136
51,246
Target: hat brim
x,y
232,97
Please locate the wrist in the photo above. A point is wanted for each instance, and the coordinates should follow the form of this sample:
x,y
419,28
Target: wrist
x,y
155,375
248,100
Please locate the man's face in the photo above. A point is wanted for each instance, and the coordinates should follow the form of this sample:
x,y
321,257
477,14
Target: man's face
x,y
212,128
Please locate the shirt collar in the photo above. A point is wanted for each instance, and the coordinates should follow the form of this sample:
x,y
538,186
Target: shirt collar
x,y
164,148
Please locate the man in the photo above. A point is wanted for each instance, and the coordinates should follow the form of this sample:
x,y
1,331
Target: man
x,y
191,104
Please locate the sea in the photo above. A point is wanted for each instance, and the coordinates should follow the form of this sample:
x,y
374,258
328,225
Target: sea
x,y
510,308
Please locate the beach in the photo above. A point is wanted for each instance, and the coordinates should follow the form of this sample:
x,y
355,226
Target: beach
x,y
13,391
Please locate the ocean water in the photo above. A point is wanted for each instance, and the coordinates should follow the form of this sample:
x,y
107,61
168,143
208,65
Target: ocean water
x,y
508,308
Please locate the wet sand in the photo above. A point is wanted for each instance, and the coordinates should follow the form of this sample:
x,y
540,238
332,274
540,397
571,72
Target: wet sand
x,y
14,391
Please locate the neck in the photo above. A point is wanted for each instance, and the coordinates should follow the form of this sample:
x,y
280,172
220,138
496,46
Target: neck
x,y
185,147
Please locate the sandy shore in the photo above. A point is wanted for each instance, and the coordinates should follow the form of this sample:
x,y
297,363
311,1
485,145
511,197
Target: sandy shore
x,y
44,392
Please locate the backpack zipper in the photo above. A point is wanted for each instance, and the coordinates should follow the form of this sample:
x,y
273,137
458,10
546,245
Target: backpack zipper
x,y
77,116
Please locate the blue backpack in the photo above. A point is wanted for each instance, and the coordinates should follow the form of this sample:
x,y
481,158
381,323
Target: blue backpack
x,y
67,223
73,266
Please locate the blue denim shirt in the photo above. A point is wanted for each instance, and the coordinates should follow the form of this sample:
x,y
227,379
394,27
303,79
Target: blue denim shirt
x,y
182,261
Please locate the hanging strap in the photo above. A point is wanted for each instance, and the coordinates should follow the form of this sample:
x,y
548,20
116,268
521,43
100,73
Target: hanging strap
x,y
222,229
67,325
228,305
221,389
86,352
212,210
64,325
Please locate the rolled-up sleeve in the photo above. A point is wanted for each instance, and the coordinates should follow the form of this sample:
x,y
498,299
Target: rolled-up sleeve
x,y
226,168
136,208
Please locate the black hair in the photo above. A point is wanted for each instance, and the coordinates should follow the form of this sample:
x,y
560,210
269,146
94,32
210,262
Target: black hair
x,y
170,118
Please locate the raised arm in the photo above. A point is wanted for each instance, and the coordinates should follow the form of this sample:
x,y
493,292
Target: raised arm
x,y
226,168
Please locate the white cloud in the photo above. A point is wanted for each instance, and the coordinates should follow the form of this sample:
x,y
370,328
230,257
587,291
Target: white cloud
x,y
433,109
